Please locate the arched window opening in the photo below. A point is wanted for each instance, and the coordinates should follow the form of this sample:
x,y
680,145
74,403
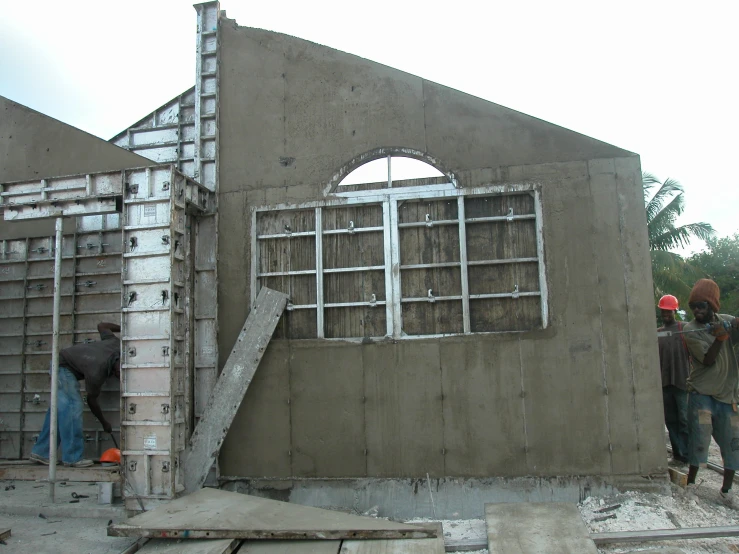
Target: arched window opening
x,y
391,172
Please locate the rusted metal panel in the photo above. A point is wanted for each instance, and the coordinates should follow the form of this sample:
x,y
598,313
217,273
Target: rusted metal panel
x,y
407,546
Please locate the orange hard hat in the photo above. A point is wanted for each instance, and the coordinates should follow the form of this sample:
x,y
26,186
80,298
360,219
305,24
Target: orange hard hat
x,y
668,302
111,455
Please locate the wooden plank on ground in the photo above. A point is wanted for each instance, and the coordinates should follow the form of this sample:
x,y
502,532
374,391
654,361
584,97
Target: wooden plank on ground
x,y
200,546
666,534
231,386
407,546
290,547
37,472
4,534
537,528
217,514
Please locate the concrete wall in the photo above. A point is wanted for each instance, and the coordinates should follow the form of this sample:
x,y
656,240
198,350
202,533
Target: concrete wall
x,y
34,146
579,398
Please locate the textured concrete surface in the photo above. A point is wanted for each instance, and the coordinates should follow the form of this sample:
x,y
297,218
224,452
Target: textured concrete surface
x,y
450,498
579,398
34,146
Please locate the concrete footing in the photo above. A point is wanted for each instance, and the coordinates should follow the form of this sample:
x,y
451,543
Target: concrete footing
x,y
448,498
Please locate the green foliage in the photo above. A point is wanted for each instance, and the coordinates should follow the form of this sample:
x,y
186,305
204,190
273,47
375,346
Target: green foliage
x,y
671,273
720,262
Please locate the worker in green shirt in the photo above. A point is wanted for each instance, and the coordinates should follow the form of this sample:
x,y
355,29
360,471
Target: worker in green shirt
x,y
712,384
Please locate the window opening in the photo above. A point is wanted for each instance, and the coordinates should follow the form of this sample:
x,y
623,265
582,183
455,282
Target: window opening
x,y
392,171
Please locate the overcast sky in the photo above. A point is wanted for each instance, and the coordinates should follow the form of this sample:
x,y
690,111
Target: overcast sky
x,y
655,77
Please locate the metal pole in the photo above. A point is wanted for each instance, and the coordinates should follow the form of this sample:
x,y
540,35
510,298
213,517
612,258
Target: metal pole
x,y
55,358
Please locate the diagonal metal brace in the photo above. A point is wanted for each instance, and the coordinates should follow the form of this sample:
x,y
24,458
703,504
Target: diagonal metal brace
x,y
231,387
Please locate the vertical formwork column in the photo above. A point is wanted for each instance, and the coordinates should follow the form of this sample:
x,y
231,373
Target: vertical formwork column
x,y
207,67
153,335
56,317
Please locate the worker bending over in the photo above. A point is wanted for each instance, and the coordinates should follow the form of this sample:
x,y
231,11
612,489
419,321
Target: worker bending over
x,y
712,385
94,362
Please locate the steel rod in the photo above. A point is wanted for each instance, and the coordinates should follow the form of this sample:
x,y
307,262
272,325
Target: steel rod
x,y
53,420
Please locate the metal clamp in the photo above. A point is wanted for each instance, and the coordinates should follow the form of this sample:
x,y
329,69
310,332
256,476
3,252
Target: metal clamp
x,y
509,216
430,296
373,301
515,294
429,222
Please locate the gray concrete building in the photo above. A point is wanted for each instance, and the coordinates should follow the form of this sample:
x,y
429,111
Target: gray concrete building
x,y
488,334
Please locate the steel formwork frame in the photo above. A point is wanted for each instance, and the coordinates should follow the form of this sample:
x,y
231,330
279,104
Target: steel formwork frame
x,y
159,209
389,199
185,132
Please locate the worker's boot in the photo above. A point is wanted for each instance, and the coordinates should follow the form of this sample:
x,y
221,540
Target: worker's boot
x,y
728,499
79,463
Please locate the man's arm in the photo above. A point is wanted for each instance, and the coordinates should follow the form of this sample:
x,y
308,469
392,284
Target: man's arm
x,y
92,401
103,326
712,354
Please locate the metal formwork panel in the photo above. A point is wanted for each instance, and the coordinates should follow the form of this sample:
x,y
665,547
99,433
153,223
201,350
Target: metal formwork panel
x,y
155,410
90,293
185,131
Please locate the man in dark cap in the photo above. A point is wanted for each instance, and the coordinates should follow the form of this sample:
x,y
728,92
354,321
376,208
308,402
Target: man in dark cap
x,y
94,362
712,384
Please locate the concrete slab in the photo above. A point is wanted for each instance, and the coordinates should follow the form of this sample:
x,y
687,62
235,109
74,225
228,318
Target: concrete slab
x,y
537,528
217,514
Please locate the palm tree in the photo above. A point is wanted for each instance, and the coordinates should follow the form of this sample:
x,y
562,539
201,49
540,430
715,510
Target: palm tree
x,y
670,272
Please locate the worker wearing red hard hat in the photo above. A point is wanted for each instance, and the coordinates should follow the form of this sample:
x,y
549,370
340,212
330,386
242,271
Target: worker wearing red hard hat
x,y
674,363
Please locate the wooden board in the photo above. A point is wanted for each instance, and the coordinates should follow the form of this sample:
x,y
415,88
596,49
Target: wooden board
x,y
4,534
31,471
290,547
537,528
412,546
216,514
177,546
231,386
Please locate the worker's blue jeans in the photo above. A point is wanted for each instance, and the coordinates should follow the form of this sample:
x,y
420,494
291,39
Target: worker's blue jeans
x,y
69,421
675,403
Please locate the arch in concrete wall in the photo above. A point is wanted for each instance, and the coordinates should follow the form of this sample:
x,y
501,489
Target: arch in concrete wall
x,y
383,152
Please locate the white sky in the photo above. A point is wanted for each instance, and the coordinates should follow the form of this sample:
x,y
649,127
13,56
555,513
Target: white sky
x,y
655,77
